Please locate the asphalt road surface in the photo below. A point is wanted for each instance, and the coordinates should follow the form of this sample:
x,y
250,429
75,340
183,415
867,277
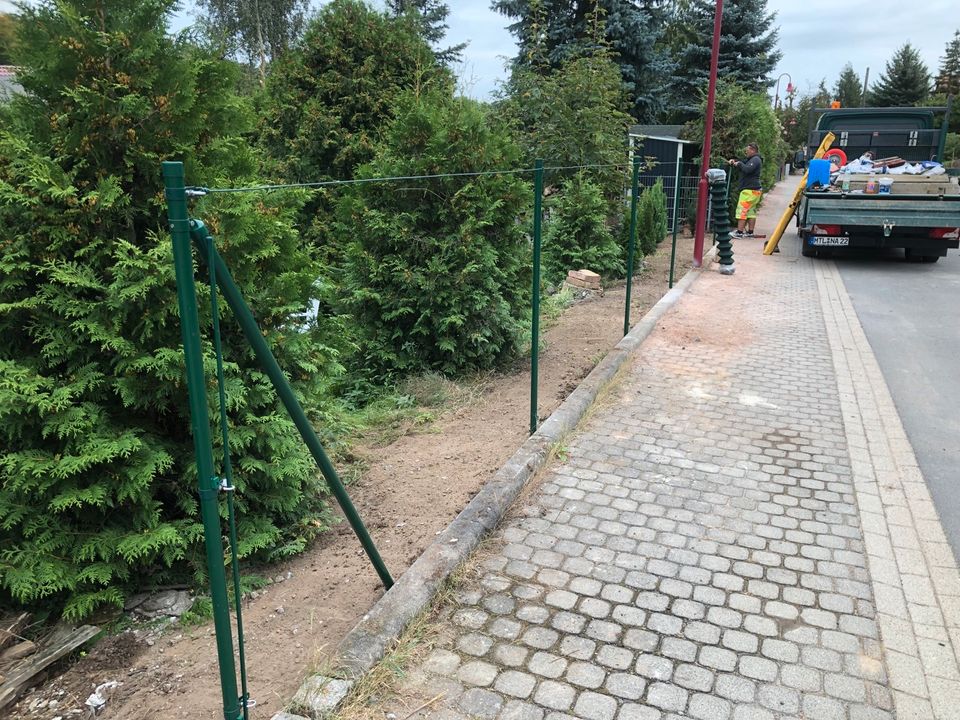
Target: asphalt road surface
x,y
911,315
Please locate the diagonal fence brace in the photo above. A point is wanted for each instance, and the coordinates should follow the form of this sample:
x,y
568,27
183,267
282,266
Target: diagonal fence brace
x,y
182,231
251,331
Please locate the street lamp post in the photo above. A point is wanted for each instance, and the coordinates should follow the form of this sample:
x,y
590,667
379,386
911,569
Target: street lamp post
x,y
776,93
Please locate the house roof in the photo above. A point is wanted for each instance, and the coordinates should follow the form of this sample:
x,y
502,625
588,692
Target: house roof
x,y
659,132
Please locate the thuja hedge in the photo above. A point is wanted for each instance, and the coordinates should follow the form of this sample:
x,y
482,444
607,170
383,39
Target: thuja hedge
x,y
96,461
436,269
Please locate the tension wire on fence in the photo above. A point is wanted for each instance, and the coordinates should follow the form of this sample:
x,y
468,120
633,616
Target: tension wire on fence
x,y
199,191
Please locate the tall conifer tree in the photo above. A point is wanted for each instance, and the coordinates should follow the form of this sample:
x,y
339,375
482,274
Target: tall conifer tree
x,y
904,82
848,89
97,479
326,102
948,77
431,17
748,49
561,28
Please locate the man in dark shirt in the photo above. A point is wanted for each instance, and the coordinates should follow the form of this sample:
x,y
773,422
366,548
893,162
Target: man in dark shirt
x,y
750,191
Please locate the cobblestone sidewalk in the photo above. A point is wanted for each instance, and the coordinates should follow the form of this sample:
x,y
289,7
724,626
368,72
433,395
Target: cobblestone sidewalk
x,y
699,552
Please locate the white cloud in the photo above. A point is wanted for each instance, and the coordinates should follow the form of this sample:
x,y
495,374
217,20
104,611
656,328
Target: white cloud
x,y
818,37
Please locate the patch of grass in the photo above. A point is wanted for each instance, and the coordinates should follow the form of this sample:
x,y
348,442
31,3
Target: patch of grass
x,y
414,405
553,306
380,684
200,613
560,451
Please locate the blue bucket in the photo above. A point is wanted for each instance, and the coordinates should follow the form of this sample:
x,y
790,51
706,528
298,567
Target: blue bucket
x,y
818,173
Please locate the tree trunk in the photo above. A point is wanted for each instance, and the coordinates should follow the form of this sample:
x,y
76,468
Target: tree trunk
x,y
261,49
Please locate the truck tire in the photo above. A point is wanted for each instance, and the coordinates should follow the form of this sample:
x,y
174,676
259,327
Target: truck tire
x,y
930,258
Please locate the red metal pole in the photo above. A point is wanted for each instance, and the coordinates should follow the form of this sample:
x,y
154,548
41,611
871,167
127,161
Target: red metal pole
x,y
707,137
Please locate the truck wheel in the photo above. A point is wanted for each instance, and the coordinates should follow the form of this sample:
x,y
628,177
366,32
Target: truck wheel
x,y
911,257
931,258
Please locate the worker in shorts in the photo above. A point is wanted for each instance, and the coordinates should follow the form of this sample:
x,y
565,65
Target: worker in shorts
x,y
750,191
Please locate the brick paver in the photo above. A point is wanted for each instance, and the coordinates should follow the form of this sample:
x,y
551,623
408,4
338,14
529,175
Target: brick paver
x,y
700,552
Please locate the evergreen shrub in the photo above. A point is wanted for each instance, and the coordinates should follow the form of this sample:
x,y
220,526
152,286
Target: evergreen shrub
x,y
97,474
743,117
577,234
437,269
326,102
651,218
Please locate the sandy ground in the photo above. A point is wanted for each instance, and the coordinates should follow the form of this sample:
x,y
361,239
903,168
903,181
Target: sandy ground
x,y
410,491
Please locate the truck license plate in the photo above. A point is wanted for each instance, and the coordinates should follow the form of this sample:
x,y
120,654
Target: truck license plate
x,y
830,241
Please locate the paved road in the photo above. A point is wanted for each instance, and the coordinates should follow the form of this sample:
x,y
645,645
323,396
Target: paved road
x,y
911,315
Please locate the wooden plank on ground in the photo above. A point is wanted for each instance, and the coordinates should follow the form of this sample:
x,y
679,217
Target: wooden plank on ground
x,y
18,652
11,630
19,678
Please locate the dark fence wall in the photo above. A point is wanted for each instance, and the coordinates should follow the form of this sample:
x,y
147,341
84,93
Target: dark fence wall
x,y
661,156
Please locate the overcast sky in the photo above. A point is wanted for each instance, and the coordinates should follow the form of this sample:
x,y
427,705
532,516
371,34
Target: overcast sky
x,y
817,37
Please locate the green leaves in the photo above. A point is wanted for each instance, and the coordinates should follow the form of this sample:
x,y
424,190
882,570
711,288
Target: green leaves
x,y
97,480
435,268
577,234
904,82
748,51
551,33
571,116
743,117
651,218
326,102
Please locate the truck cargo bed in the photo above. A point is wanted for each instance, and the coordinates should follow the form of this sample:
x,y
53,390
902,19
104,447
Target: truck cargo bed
x,y
882,211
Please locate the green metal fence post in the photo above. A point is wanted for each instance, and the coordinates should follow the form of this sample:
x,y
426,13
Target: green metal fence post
x,y
228,486
268,362
173,181
673,242
632,241
535,302
676,213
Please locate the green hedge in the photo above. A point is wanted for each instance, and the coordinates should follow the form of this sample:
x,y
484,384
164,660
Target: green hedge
x,y
97,477
437,269
651,218
578,235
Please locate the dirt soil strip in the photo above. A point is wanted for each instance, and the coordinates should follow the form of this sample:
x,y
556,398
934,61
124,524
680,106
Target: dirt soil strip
x,y
412,489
